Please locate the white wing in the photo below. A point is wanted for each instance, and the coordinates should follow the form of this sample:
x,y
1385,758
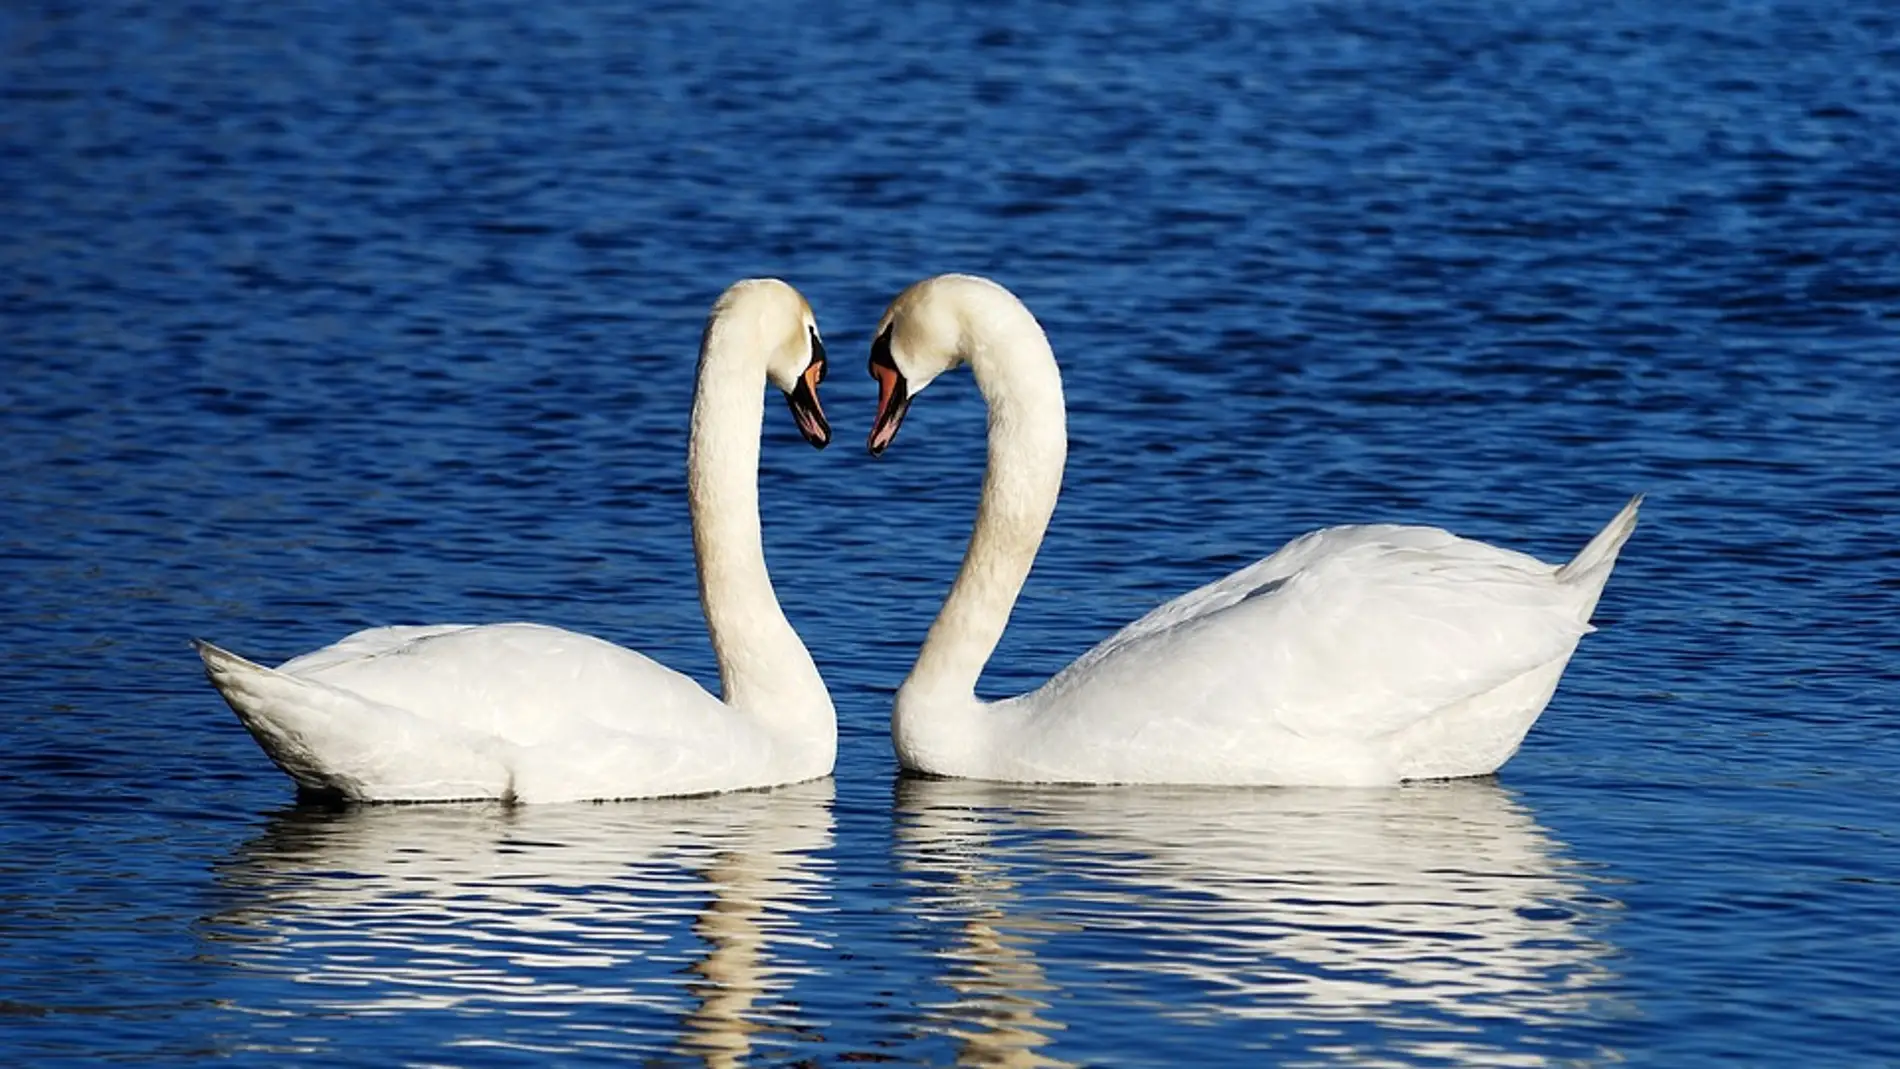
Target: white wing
x,y
516,711
527,684
1348,632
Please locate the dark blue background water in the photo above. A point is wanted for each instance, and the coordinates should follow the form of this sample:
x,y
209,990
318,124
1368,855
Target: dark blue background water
x,y
322,316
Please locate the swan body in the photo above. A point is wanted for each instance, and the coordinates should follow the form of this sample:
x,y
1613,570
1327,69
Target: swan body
x,y
528,713
1358,655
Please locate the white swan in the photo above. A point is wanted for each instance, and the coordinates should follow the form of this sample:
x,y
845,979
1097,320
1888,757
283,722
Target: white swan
x,y
530,713
1353,656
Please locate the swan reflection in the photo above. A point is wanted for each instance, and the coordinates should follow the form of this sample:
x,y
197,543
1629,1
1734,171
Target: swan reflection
x,y
583,915
1433,920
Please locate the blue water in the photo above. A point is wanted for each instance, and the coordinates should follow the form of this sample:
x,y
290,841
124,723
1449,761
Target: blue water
x,y
322,316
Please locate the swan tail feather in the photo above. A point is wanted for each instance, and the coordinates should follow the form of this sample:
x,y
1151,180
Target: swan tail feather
x,y
1590,569
283,713
335,742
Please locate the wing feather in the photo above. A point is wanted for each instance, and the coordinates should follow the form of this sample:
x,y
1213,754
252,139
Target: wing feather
x,y
526,684
1347,633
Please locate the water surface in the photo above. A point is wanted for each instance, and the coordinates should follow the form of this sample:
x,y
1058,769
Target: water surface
x,y
320,317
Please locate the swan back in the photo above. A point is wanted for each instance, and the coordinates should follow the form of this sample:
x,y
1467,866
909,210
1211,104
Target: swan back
x,y
1353,655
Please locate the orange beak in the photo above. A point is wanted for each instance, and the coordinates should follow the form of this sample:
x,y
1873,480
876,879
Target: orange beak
x,y
806,411
893,395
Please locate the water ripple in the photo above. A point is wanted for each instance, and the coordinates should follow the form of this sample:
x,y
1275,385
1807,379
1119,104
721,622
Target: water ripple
x,y
316,318
558,915
1382,920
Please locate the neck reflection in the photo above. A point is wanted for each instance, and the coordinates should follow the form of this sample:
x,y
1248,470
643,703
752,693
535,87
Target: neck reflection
x,y
1001,994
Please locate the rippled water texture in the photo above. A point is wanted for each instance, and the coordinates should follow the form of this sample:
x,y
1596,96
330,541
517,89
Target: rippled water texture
x,y
323,316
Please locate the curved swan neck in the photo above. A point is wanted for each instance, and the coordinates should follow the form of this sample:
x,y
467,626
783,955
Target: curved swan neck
x,y
1028,445
763,667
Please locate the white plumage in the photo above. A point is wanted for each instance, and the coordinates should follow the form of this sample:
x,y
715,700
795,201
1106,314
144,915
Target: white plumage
x,y
530,713
1352,656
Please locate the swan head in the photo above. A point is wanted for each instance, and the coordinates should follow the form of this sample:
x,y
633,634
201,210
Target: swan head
x,y
774,321
930,328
